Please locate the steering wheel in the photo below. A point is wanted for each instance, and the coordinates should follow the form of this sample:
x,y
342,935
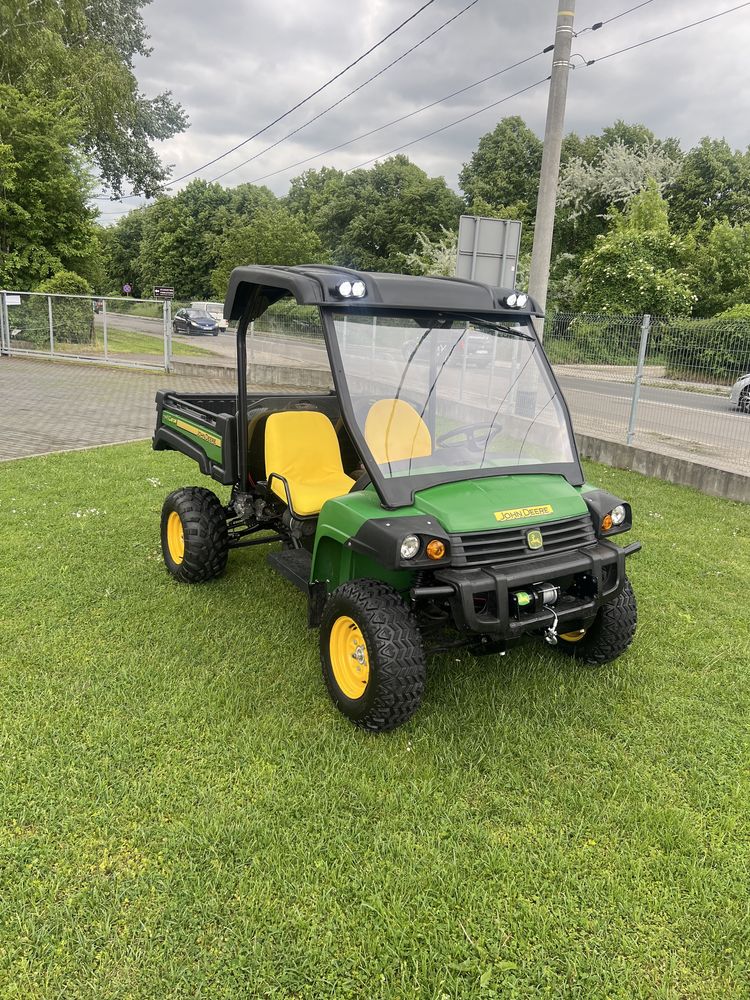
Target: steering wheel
x,y
467,435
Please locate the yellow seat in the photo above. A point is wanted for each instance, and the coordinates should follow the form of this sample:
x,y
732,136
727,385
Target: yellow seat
x,y
395,431
301,446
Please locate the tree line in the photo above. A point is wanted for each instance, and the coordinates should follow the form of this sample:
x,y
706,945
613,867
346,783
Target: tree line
x,y
641,225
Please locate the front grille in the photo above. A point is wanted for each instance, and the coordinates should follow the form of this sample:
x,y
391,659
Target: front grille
x,y
480,548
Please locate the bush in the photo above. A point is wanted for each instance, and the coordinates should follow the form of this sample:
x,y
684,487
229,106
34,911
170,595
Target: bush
x,y
591,338
710,350
72,319
741,311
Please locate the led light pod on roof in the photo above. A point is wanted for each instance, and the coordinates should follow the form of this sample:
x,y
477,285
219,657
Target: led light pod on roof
x,y
359,289
516,300
344,288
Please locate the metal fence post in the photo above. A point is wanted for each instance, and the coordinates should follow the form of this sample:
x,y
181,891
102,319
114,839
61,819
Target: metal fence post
x,y
166,313
4,328
51,327
645,330
104,320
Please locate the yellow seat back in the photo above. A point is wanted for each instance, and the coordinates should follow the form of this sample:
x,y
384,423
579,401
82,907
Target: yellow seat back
x,y
395,431
301,446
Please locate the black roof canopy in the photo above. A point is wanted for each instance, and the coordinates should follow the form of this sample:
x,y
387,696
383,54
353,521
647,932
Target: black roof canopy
x,y
255,288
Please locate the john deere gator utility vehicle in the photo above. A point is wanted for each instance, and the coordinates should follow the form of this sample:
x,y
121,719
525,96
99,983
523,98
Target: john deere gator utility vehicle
x,y
434,499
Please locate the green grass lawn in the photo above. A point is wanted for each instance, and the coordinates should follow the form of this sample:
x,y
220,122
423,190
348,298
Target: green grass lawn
x,y
131,342
183,814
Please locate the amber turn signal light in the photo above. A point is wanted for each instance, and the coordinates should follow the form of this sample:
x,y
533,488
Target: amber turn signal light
x,y
435,549
607,522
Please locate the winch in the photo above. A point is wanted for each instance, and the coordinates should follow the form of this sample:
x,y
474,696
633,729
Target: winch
x,y
542,596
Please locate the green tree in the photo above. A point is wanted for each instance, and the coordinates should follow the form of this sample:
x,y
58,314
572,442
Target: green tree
x,y
721,262
640,266
275,236
504,171
121,245
369,219
713,184
45,225
81,54
182,236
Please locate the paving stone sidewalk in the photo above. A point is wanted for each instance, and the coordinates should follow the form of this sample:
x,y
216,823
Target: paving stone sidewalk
x,y
50,406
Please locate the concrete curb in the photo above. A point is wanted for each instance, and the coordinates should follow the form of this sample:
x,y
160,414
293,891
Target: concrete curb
x,y
681,471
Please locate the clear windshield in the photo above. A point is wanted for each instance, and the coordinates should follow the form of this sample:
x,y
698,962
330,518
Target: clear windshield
x,y
439,394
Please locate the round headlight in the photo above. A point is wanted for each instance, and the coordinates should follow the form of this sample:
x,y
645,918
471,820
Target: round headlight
x,y
618,514
345,289
521,299
409,547
358,289
512,300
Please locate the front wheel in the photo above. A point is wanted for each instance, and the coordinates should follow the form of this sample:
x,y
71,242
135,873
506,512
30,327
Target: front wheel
x,y
194,536
371,654
609,635
743,403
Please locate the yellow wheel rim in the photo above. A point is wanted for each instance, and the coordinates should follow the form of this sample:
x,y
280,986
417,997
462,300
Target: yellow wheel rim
x,y
175,538
573,636
349,660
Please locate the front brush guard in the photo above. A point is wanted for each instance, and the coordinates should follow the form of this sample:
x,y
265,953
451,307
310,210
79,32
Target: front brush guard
x,y
461,586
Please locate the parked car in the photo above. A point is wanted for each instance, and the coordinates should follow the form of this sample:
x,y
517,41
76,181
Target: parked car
x,y
188,321
740,394
215,309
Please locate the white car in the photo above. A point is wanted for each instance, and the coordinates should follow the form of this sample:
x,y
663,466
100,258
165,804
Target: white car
x,y
214,309
740,394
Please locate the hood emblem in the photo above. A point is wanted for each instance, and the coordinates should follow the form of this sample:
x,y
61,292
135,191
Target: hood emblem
x,y
534,539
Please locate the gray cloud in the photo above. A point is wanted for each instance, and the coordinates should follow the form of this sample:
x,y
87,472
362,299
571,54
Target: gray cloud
x,y
237,64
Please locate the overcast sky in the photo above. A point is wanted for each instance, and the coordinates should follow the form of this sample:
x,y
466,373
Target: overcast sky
x,y
235,65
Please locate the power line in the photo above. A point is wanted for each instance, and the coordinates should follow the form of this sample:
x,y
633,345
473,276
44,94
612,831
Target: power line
x,y
396,121
458,121
351,93
299,104
609,20
590,62
411,114
667,34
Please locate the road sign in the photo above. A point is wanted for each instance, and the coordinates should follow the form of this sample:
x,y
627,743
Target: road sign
x,y
488,250
127,289
163,292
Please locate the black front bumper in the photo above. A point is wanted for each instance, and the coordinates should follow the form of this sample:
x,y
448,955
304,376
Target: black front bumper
x,y
601,566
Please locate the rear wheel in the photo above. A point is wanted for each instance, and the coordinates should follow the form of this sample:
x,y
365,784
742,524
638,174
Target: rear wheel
x,y
371,654
609,635
194,537
743,403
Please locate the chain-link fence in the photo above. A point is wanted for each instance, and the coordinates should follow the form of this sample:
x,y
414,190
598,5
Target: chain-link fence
x,y
663,383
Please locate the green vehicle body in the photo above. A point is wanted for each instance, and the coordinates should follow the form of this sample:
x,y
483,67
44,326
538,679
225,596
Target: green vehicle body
x,y
455,508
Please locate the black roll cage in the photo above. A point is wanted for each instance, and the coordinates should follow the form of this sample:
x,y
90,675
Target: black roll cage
x,y
397,491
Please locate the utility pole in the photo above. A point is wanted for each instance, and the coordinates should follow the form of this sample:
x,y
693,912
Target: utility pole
x,y
553,136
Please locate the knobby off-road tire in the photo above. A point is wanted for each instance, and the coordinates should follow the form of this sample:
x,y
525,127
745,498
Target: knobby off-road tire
x,y
611,632
194,537
367,623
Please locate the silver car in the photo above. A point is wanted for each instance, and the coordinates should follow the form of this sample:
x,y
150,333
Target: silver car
x,y
740,394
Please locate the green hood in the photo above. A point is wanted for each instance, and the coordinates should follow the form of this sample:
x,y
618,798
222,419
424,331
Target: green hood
x,y
472,505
